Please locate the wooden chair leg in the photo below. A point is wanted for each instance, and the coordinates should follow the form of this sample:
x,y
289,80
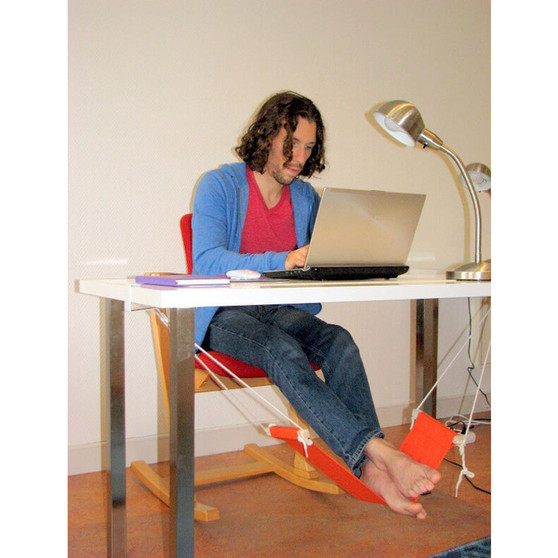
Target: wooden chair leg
x,y
301,465
159,486
289,473
301,472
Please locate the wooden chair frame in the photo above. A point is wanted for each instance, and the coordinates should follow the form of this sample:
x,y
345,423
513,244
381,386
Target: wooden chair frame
x,y
300,472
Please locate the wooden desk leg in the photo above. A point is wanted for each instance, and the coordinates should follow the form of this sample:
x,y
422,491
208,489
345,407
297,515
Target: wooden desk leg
x,y
426,335
181,407
116,428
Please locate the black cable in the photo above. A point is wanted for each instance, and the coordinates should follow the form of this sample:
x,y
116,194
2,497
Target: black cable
x,y
472,365
475,422
467,478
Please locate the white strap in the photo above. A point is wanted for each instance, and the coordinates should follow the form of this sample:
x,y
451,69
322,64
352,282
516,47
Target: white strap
x,y
464,472
461,440
215,377
303,436
450,364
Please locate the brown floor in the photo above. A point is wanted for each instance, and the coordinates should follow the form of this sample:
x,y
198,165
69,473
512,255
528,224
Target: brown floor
x,y
268,517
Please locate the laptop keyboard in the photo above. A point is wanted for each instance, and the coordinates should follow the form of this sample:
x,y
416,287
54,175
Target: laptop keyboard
x,y
339,273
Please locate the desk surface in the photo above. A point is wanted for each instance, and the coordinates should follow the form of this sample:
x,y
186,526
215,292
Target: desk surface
x,y
407,287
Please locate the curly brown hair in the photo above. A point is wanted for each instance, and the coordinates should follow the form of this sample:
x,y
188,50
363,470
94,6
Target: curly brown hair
x,y
282,109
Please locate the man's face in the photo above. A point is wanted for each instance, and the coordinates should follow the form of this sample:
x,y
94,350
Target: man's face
x,y
304,139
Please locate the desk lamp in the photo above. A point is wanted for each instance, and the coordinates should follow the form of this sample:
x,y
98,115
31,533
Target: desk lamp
x,y
403,122
480,176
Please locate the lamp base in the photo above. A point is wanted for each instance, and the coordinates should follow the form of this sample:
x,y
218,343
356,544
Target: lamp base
x,y
471,272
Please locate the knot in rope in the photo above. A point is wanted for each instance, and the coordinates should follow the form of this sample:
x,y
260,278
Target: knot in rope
x,y
463,473
303,436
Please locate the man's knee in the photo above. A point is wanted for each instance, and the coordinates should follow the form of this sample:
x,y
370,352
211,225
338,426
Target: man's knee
x,y
339,335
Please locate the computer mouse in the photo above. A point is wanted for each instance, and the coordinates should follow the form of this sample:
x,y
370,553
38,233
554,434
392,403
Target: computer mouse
x,y
243,274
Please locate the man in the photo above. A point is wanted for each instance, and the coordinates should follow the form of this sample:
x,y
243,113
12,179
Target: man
x,y
259,215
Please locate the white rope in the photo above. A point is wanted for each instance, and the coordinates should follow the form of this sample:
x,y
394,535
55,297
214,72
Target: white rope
x,y
464,471
461,440
417,409
303,435
228,393
243,384
162,316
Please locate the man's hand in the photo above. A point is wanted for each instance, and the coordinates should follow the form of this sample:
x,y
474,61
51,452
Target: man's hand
x,y
296,258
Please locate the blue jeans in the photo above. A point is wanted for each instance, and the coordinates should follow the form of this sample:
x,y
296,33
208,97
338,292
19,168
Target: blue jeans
x,y
281,340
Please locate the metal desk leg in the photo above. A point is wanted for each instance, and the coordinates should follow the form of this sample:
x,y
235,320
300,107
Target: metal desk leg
x,y
181,398
426,352
116,442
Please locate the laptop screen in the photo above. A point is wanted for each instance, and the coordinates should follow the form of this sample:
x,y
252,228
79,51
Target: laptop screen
x,y
364,228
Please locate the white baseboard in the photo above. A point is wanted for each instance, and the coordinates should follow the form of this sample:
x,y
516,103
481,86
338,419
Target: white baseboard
x,y
90,458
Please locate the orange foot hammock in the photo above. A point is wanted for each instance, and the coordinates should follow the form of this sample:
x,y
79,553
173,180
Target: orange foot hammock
x,y
427,442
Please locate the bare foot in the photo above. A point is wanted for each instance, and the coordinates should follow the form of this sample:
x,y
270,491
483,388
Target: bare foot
x,y
409,476
382,484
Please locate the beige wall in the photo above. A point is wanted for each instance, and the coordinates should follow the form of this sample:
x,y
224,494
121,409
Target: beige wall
x,y
160,91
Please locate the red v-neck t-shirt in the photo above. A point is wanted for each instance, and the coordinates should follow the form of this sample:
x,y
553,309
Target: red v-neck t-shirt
x,y
267,229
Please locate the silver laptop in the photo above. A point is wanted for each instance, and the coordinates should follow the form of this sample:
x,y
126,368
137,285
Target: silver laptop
x,y
359,234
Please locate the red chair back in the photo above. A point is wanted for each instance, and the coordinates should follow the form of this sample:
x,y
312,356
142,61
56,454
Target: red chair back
x,y
241,369
186,231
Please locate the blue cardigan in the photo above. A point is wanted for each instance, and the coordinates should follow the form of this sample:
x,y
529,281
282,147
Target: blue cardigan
x,y
220,206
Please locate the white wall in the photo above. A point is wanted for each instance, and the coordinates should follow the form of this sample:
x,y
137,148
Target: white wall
x,y
159,93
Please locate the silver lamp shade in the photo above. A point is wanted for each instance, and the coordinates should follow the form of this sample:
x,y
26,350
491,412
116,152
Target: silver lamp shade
x,y
402,121
480,177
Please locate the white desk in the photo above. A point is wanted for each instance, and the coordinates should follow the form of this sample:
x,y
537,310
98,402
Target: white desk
x,y
120,295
